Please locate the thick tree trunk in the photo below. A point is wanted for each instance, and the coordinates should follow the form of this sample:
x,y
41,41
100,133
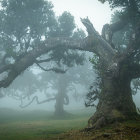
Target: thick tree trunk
x,y
115,103
59,106
61,98
116,71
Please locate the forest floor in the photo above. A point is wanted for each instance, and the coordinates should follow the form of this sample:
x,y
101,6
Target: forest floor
x,y
40,125
129,130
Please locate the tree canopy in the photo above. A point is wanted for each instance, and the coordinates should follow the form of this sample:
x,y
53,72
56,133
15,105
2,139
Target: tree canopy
x,y
24,27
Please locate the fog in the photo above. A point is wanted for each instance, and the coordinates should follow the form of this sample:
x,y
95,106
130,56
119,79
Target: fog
x,y
9,102
98,13
77,8
67,66
21,83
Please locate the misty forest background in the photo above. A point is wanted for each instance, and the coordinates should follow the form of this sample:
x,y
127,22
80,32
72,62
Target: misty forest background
x,y
56,77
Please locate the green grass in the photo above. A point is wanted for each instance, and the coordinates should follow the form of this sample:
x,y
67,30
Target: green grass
x,y
38,125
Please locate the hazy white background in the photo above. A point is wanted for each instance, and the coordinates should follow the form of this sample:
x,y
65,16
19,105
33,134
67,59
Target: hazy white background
x,y
98,13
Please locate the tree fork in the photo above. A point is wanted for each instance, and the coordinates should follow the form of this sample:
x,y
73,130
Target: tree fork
x,y
115,101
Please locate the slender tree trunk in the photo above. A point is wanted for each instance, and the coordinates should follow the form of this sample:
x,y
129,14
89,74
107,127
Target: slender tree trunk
x,y
115,103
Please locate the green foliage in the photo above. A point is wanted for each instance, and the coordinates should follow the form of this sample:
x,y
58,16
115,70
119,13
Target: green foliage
x,y
66,24
66,28
23,23
78,34
67,57
130,10
120,3
121,38
95,61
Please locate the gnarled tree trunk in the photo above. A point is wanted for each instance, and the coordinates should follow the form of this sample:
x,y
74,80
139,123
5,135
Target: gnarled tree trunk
x,y
116,72
115,104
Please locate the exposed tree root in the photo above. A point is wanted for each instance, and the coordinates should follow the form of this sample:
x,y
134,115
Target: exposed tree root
x,y
119,131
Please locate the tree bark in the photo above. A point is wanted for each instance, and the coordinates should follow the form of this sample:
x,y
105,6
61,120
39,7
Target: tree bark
x,y
116,73
20,65
115,102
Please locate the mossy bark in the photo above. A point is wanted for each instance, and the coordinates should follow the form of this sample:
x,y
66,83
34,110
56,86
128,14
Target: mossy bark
x,y
115,103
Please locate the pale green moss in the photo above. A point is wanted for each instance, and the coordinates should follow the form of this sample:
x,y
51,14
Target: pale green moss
x,y
117,114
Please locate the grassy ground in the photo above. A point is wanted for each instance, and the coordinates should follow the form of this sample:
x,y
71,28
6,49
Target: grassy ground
x,y
38,125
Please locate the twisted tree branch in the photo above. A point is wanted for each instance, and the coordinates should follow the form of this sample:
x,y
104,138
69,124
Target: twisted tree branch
x,y
93,43
37,101
57,70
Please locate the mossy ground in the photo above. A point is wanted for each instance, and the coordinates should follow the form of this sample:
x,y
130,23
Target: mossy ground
x,y
129,130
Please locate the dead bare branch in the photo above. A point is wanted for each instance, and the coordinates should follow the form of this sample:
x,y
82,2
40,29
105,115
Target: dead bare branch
x,y
35,98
